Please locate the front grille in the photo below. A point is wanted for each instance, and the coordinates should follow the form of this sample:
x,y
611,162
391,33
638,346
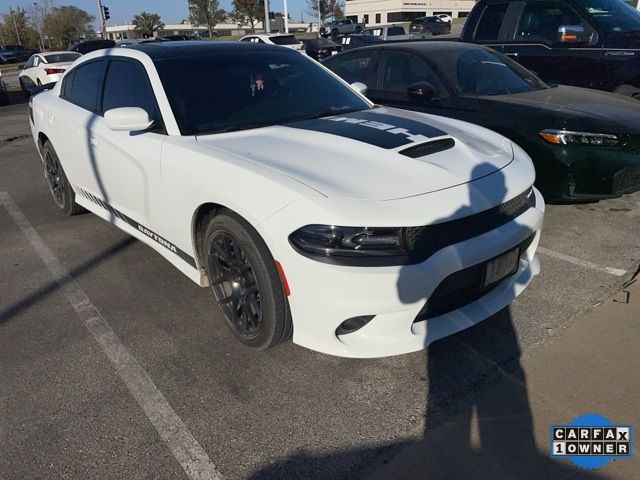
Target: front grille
x,y
422,242
627,180
429,148
461,288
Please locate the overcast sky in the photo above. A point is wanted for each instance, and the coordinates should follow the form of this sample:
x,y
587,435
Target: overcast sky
x,y
171,11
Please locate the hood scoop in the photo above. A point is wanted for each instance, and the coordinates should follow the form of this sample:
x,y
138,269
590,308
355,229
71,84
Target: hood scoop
x,y
428,148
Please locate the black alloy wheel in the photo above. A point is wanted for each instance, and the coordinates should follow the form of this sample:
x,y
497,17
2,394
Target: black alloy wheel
x,y
234,285
53,173
245,281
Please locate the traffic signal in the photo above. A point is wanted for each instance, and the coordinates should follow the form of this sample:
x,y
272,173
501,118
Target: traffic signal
x,y
105,13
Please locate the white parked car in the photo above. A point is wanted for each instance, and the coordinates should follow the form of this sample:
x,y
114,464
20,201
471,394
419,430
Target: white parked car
x,y
445,18
43,68
281,39
362,231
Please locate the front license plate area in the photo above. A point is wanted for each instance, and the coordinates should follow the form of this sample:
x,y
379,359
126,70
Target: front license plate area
x,y
501,267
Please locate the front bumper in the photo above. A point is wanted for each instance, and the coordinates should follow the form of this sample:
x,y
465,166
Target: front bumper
x,y
324,295
582,173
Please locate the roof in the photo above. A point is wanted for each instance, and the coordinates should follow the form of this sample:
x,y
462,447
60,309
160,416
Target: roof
x,y
163,50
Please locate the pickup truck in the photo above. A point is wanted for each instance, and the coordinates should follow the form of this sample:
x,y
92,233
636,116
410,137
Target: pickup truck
x,y
20,51
585,43
345,26
387,32
6,56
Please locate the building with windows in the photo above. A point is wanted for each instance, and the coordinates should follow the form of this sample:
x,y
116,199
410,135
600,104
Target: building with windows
x,y
381,12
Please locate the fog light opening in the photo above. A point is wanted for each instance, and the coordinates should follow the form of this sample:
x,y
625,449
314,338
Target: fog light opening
x,y
353,324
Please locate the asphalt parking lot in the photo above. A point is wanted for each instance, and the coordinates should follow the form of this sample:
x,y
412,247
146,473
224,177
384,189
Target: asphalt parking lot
x,y
68,408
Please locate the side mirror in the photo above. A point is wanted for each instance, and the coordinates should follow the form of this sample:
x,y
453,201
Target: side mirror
x,y
359,87
572,34
423,91
128,119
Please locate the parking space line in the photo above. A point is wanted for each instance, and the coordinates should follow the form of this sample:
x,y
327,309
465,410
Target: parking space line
x,y
583,263
184,447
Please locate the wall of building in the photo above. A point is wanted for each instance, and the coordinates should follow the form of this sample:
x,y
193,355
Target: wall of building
x,y
381,12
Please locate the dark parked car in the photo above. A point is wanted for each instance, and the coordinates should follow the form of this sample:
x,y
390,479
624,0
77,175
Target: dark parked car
x,y
320,48
584,143
353,41
586,43
429,26
92,45
178,38
20,51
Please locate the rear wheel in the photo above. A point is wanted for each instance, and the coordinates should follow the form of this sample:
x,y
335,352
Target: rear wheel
x,y
245,282
60,188
334,34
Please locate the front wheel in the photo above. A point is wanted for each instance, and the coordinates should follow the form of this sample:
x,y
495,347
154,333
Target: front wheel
x,y
59,186
245,282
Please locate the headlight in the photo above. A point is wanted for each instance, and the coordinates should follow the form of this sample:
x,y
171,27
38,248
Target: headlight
x,y
564,137
353,242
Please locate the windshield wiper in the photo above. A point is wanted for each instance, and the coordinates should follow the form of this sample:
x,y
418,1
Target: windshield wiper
x,y
329,112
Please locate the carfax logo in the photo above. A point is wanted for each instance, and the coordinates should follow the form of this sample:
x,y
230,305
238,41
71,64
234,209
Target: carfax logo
x,y
591,441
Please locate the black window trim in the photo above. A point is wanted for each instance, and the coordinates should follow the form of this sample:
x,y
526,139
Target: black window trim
x,y
507,22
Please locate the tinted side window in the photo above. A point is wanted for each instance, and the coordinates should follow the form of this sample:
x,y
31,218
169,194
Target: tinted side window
x,y
490,22
352,68
127,85
87,82
395,31
67,83
541,20
401,70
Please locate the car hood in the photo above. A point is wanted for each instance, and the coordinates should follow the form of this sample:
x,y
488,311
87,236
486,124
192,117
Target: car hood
x,y
575,100
357,155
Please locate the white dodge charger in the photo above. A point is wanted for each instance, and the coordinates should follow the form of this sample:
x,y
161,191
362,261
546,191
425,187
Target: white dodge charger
x,y
361,231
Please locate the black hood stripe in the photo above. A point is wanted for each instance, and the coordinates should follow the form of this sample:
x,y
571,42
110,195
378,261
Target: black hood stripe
x,y
379,129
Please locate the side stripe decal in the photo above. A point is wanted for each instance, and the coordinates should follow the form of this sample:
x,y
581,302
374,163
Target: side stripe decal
x,y
141,228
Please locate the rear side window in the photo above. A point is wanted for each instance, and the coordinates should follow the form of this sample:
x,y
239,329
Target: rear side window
x,y
87,81
285,40
490,22
395,31
135,91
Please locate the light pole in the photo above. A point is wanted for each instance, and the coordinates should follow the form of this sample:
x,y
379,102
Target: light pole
x,y
103,29
35,19
286,18
267,22
319,19
15,25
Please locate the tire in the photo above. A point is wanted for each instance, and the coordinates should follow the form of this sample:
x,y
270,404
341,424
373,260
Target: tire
x,y
245,282
4,98
334,34
63,195
358,30
24,89
628,91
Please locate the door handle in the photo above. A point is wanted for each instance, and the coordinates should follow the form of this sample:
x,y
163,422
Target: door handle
x,y
95,142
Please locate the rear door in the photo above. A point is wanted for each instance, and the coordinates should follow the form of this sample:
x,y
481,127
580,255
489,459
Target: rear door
x,y
355,67
493,25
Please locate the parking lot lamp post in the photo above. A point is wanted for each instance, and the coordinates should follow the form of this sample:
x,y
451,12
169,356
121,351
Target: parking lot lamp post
x,y
267,22
35,19
319,19
286,19
15,25
103,29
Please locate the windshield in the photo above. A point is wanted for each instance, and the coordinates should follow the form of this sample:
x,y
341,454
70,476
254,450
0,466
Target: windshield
x,y
227,91
614,16
61,57
481,72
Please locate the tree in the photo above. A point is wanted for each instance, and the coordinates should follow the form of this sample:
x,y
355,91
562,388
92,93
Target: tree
x,y
247,12
333,9
67,25
206,12
16,28
147,23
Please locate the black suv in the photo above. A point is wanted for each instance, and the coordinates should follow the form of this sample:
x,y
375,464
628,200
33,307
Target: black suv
x,y
586,43
429,26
